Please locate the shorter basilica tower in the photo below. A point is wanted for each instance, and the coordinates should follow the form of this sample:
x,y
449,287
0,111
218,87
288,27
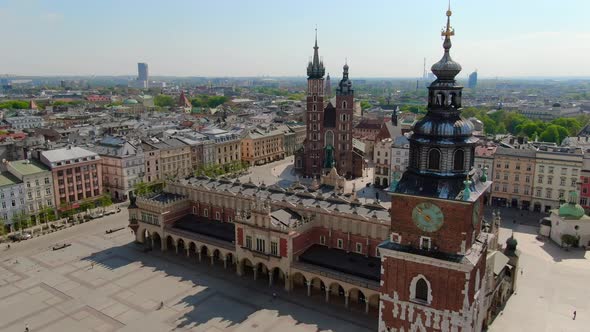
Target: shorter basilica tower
x,y
433,265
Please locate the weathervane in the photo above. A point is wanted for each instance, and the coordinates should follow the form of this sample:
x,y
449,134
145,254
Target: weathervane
x,y
448,31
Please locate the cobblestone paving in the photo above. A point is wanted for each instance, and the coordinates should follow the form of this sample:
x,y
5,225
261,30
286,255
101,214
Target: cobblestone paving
x,y
104,282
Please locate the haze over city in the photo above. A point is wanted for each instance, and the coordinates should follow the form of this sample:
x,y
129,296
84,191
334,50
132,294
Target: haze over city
x,y
504,38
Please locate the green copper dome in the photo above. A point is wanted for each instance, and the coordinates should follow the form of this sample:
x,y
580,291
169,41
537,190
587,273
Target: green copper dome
x,y
572,211
130,101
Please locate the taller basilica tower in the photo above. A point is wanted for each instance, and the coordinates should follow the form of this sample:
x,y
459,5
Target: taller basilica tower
x,y
433,265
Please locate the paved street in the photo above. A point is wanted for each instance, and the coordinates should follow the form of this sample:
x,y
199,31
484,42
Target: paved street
x,y
553,284
104,282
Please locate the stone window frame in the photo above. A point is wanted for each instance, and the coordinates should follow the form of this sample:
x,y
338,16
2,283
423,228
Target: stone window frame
x,y
413,284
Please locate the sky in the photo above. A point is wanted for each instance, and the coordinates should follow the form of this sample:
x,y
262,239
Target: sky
x,y
388,38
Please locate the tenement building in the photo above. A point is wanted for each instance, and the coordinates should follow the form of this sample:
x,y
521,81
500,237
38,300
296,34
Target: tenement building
x,y
328,141
421,266
514,171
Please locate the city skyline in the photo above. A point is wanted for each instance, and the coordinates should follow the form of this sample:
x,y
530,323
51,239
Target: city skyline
x,y
379,39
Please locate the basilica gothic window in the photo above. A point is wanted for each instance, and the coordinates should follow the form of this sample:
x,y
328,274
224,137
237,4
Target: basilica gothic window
x,y
434,159
459,160
329,138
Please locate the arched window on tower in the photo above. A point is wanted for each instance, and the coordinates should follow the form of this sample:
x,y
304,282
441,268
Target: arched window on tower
x,y
422,290
440,99
453,100
315,108
434,159
459,160
344,104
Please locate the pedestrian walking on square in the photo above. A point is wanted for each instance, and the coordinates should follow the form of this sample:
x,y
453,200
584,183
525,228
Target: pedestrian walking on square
x,y
574,315
26,327
521,271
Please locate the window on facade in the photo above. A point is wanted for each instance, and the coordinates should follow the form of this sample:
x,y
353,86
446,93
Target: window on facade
x,y
538,193
562,181
551,169
205,212
497,175
549,193
574,182
359,248
527,179
434,159
459,160
260,245
504,188
424,243
506,165
561,194
517,166
322,240
517,177
515,190
422,290
248,242
274,248
550,180
340,244
584,201
526,190
505,176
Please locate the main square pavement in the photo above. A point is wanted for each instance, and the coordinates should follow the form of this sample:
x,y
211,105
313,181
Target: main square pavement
x,y
105,282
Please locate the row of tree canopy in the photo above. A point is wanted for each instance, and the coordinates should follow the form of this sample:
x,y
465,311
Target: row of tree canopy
x,y
504,122
197,101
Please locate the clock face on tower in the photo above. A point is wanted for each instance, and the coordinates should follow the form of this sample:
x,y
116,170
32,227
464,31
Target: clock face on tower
x,y
428,217
476,213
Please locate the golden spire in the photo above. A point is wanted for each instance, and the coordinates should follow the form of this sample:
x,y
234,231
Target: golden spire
x,y
448,31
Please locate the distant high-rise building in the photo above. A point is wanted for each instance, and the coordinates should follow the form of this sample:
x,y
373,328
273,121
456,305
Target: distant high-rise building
x,y
142,71
472,80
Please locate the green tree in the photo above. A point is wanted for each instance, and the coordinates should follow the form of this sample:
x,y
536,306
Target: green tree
x,y
572,125
554,133
365,104
22,220
86,205
14,104
164,101
105,200
142,188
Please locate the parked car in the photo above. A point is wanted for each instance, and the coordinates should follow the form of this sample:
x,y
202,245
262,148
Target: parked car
x,y
20,236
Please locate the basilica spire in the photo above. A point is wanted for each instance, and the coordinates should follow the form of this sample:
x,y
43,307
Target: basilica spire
x,y
315,68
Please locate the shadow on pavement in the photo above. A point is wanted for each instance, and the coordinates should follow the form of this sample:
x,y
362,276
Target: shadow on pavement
x,y
223,306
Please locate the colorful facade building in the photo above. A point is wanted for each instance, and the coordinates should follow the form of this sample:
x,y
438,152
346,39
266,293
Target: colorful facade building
x,y
514,172
77,175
